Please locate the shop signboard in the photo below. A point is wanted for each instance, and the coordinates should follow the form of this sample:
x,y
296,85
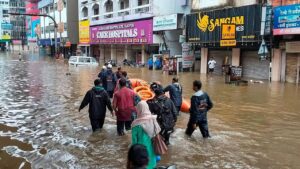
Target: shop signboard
x,y
84,32
225,27
135,32
168,22
187,56
6,26
287,20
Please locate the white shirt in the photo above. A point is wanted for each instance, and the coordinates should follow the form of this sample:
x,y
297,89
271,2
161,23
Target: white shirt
x,y
212,64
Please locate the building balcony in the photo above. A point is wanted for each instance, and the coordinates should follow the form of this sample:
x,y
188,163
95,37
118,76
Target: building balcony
x,y
123,15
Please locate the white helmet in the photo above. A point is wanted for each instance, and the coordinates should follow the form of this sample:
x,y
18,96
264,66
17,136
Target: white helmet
x,y
104,67
109,66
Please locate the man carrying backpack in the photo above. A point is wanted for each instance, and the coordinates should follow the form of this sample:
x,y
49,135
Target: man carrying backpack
x,y
109,81
98,100
165,110
175,91
200,105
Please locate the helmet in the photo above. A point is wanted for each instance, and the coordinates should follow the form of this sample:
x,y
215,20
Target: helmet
x,y
109,66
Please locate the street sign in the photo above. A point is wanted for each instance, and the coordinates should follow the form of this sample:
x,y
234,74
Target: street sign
x,y
263,51
60,5
61,27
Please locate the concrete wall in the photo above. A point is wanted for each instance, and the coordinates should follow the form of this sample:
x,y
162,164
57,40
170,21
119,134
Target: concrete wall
x,y
210,4
165,7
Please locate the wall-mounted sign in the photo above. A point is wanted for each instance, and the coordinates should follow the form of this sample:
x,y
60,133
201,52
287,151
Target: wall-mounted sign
x,y
226,27
60,5
6,26
187,56
84,32
136,32
168,22
287,20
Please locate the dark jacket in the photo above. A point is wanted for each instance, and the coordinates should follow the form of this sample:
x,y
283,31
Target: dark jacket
x,y
102,74
98,100
200,105
175,91
109,80
165,110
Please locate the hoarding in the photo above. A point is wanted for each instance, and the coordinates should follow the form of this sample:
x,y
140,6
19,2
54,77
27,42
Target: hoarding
x,y
135,32
84,32
226,27
287,20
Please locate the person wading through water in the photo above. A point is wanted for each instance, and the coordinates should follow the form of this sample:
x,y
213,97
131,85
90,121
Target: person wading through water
x,y
123,104
98,100
144,128
165,110
200,105
175,91
109,81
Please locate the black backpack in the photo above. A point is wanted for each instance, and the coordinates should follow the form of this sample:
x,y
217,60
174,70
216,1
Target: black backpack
x,y
164,115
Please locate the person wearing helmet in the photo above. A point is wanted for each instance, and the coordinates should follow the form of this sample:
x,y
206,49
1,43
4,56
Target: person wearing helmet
x,y
164,108
101,75
109,81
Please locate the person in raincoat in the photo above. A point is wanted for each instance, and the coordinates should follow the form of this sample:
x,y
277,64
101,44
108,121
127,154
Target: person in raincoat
x,y
175,91
102,74
200,105
109,81
98,100
144,128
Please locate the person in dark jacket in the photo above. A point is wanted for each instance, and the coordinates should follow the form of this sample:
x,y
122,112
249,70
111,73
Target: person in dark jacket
x,y
200,105
165,110
109,81
101,75
175,91
98,100
119,73
138,157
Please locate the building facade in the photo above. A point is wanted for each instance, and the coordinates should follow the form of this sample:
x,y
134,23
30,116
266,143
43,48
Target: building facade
x,y
64,13
132,29
286,31
230,31
18,33
6,27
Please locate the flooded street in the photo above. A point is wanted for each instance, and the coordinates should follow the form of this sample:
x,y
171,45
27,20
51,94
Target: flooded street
x,y
254,126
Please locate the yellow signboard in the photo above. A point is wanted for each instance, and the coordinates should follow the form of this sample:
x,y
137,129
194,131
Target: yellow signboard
x,y
228,31
6,37
228,43
84,32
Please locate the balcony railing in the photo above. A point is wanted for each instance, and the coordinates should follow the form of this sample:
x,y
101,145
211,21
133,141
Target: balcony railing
x,y
124,12
95,17
142,9
108,15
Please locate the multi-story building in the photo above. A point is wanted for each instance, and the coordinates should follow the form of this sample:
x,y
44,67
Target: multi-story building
x,y
231,31
65,13
286,33
5,25
131,29
18,34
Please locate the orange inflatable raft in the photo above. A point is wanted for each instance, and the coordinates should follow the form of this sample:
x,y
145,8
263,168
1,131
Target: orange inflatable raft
x,y
142,89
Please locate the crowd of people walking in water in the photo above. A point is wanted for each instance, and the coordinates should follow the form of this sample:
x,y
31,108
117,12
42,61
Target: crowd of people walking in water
x,y
148,120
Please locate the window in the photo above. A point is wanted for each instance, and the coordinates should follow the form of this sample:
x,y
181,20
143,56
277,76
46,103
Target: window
x,y
124,4
84,12
143,2
109,6
96,9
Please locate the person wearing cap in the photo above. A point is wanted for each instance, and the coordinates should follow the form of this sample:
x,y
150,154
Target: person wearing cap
x,y
109,81
101,75
164,108
123,104
175,91
98,100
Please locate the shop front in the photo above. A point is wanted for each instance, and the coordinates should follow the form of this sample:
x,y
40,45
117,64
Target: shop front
x,y
287,29
230,36
127,40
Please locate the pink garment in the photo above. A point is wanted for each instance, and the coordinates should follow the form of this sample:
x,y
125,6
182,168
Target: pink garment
x,y
124,101
146,120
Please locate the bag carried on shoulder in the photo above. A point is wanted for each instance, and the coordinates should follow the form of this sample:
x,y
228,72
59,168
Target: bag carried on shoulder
x,y
159,146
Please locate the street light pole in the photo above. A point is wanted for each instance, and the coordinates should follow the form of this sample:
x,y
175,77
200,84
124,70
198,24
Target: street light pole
x,y
55,29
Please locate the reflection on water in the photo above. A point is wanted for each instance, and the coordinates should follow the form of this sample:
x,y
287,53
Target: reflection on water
x,y
255,126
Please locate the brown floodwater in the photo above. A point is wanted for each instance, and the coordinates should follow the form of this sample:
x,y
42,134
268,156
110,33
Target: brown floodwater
x,y
254,126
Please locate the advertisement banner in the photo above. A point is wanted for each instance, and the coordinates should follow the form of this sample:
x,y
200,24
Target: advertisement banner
x,y
168,22
226,27
35,26
287,20
6,26
136,32
84,32
187,56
